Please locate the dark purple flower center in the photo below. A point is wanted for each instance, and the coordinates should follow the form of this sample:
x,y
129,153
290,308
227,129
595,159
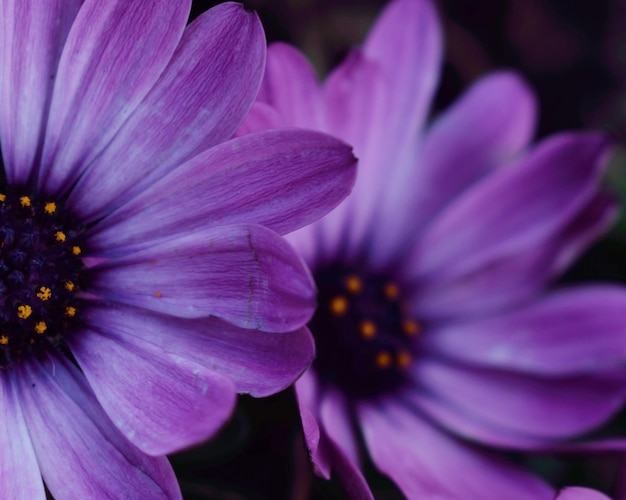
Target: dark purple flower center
x,y
40,267
365,338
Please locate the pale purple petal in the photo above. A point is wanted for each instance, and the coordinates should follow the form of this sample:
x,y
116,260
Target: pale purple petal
x,y
492,123
282,179
199,101
80,452
19,472
114,54
245,274
580,493
334,412
573,331
160,401
427,463
257,362
540,407
261,117
32,35
350,476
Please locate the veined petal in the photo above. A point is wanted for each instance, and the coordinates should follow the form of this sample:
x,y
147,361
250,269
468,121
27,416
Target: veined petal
x,y
572,331
487,127
282,179
427,463
201,98
80,453
258,363
114,54
33,35
245,274
19,472
161,402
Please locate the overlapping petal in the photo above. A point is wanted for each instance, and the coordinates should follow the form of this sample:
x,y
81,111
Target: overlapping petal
x,y
80,452
280,179
243,273
106,68
201,98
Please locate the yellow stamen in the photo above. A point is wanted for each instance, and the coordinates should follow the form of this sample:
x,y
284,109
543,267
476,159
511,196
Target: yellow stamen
x,y
354,284
70,311
41,327
411,327
367,329
24,311
25,201
76,250
44,293
391,291
383,360
338,305
69,286
3,198
4,340
158,294
50,207
60,236
404,359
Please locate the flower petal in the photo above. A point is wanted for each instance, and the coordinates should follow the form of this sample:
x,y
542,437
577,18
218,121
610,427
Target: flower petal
x,y
573,331
19,472
426,463
579,493
488,126
335,419
199,101
114,54
257,362
282,179
245,274
148,393
33,35
548,408
80,453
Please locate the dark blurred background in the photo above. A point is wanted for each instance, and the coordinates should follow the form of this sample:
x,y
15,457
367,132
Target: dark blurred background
x,y
573,52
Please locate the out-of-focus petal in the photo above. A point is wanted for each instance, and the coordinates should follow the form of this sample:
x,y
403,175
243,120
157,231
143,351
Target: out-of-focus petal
x,y
426,463
257,362
199,101
19,472
282,179
32,35
580,493
573,331
334,413
80,452
161,402
492,123
107,67
245,274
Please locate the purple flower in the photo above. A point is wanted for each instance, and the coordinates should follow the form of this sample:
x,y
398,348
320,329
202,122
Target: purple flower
x,y
579,493
435,322
140,290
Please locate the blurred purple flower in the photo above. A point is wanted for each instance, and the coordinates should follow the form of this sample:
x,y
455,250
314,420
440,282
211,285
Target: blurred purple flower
x,y
434,322
579,493
140,290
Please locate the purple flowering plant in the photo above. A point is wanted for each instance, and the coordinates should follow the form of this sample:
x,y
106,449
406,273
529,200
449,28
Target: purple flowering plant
x,y
143,283
438,331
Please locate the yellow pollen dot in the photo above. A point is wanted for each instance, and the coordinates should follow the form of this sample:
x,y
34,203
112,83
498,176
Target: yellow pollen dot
x,y
367,329
391,291
76,250
404,359
411,327
50,207
3,198
4,340
353,284
41,327
60,236
158,294
383,360
338,305
25,201
44,293
24,311
69,286
70,311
